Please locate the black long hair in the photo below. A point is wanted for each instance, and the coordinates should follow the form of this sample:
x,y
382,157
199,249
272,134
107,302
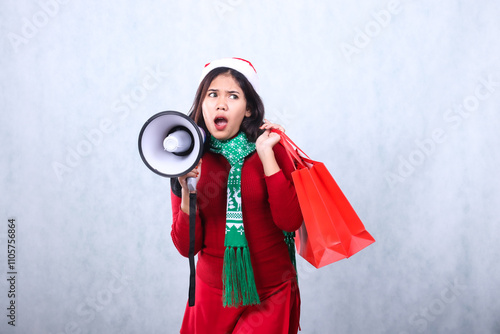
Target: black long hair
x,y
251,124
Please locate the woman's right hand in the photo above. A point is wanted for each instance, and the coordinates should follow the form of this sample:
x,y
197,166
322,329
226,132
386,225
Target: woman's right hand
x,y
193,173
185,190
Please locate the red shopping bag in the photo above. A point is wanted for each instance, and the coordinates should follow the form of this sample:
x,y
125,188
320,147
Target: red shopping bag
x,y
332,230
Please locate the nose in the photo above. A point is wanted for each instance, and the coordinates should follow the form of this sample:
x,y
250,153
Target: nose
x,y
221,104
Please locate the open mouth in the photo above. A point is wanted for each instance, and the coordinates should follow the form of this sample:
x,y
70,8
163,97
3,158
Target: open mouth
x,y
220,123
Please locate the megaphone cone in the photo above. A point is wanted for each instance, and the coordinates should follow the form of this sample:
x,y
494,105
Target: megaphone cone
x,y
171,144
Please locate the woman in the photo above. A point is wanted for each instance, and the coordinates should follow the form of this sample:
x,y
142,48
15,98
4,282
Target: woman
x,y
245,277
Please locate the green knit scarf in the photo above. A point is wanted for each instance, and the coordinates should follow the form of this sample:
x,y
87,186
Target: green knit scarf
x,y
238,283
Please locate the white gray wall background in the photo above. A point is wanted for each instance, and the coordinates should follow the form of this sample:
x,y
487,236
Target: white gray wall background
x,y
400,100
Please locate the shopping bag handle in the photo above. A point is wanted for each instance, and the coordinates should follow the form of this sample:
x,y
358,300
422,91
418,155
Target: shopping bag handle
x,y
298,157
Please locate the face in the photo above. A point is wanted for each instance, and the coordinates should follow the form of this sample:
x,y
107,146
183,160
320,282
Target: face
x,y
224,107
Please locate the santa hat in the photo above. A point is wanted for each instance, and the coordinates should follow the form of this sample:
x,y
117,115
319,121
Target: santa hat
x,y
238,64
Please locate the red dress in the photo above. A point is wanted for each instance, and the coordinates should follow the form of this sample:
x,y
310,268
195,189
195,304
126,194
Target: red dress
x,y
270,206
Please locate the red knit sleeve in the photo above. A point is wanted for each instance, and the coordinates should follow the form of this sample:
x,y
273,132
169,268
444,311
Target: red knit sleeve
x,y
180,228
283,200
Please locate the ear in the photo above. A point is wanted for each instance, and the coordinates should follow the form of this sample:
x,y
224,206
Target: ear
x,y
248,113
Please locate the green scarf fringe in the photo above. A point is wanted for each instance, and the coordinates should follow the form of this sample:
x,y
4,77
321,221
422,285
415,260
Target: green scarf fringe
x,y
290,242
238,283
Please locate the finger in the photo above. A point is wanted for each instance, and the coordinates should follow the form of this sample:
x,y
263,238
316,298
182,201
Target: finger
x,y
267,126
279,127
276,126
193,173
264,124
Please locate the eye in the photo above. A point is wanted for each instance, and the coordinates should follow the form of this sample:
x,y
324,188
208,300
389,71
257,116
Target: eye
x,y
233,96
212,94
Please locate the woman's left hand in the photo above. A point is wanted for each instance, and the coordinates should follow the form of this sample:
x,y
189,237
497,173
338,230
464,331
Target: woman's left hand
x,y
265,144
269,125
268,139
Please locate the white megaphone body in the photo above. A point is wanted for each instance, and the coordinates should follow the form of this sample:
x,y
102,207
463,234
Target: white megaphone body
x,y
171,145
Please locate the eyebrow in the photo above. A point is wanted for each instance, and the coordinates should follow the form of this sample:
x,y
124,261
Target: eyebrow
x,y
227,91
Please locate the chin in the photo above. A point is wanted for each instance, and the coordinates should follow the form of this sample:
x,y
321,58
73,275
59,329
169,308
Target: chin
x,y
221,136
224,135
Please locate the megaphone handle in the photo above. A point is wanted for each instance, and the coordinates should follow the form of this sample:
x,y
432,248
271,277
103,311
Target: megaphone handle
x,y
192,231
191,183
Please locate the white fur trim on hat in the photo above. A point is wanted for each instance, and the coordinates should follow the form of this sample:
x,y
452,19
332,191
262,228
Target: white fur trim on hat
x,y
239,64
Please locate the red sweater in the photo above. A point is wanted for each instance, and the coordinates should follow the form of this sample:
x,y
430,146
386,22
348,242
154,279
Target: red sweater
x,y
269,206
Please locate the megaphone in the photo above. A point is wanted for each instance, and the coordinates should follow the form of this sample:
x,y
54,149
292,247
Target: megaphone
x,y
171,145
